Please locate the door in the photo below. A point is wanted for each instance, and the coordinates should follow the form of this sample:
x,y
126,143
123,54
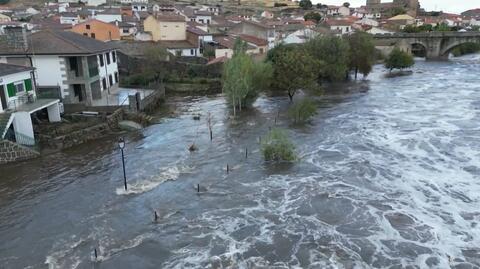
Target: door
x,y
3,97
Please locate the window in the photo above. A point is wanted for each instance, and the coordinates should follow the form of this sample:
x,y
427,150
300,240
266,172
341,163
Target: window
x,y
92,35
87,26
104,83
125,30
101,59
114,56
192,52
116,77
85,34
110,79
108,57
19,87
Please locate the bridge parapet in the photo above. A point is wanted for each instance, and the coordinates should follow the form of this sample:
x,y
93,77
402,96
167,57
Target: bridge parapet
x,y
437,44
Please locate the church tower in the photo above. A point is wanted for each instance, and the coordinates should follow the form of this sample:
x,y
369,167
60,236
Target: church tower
x,y
373,2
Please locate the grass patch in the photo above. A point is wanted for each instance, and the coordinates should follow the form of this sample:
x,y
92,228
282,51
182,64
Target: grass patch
x,y
276,146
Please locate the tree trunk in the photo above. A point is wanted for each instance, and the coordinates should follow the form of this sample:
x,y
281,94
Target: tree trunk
x,y
290,95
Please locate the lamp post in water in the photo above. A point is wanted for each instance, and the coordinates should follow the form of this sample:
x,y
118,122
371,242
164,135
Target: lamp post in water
x,y
121,145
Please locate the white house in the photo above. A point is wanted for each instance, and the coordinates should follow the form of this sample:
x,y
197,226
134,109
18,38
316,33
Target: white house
x,y
18,101
133,1
300,36
79,67
69,18
367,21
338,10
378,30
139,6
109,15
267,14
96,3
341,26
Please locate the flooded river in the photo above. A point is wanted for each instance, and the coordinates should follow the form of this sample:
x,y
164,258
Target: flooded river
x,y
389,177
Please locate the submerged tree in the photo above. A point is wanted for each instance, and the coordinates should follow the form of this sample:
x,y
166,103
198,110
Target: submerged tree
x,y
276,146
293,70
399,59
302,111
243,78
362,53
333,52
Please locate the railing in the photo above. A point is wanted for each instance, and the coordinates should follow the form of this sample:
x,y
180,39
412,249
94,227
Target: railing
x,y
19,138
23,99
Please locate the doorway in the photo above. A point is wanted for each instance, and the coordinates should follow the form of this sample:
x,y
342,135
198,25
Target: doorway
x,y
3,97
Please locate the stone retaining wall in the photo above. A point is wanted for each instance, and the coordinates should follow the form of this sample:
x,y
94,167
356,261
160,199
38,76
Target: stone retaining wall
x,y
81,136
12,152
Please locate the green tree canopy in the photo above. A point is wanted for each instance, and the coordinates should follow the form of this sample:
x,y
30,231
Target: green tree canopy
x,y
333,52
362,53
313,16
399,59
305,4
293,70
243,79
276,146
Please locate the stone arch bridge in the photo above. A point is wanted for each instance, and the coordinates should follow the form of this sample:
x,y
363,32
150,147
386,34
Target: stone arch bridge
x,y
438,45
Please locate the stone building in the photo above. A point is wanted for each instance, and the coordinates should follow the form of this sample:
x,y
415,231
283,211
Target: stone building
x,y
410,6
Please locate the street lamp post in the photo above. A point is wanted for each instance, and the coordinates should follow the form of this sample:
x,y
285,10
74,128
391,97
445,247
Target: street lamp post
x,y
121,145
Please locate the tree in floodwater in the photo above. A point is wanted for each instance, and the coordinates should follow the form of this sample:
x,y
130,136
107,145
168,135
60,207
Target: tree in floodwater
x,y
276,146
399,59
294,69
243,78
333,51
361,53
302,111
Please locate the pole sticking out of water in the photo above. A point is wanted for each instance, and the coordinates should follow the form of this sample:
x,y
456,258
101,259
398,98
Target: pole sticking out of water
x,y
246,153
198,187
228,169
211,135
156,215
95,253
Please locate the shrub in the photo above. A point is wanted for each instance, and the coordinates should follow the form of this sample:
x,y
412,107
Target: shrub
x,y
399,60
277,147
302,111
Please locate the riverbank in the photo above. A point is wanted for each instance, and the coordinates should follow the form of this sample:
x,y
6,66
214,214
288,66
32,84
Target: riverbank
x,y
386,178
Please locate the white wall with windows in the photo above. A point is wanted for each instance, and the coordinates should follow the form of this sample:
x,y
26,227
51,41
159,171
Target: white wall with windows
x,y
14,88
108,69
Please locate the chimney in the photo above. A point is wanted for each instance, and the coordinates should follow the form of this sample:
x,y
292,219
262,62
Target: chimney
x,y
16,37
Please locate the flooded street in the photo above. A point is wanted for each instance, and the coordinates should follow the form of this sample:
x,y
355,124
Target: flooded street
x,y
389,177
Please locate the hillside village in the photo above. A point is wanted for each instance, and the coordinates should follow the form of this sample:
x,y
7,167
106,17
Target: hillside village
x,y
69,56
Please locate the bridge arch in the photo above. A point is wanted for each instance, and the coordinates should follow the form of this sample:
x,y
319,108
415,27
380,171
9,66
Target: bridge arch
x,y
452,45
418,49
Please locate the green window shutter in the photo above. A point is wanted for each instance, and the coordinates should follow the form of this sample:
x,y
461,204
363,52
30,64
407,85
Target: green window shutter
x,y
12,91
28,84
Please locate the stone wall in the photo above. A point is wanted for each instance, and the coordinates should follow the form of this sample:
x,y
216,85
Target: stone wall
x,y
86,134
148,103
12,152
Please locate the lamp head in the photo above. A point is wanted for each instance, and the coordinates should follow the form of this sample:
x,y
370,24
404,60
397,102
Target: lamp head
x,y
121,143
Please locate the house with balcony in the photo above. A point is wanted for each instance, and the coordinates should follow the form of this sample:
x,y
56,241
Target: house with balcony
x,y
75,68
19,101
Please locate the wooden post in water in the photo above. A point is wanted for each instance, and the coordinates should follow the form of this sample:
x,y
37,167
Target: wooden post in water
x,y
156,216
246,153
228,169
198,187
95,253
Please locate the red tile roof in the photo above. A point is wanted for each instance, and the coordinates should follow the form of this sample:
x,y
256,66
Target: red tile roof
x,y
254,40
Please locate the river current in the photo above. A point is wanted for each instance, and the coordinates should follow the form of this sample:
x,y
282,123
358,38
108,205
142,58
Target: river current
x,y
388,177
